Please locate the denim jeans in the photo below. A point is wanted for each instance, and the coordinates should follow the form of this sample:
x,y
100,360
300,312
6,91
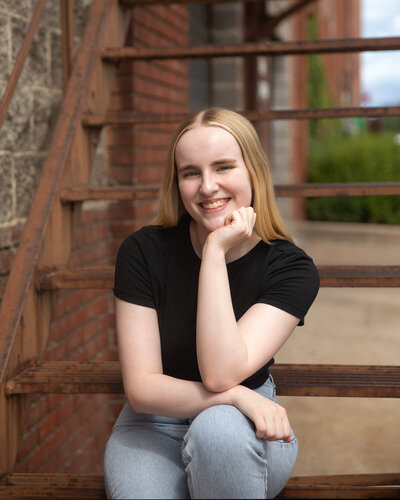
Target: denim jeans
x,y
214,455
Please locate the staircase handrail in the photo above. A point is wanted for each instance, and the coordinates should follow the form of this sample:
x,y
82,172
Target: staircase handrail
x,y
21,274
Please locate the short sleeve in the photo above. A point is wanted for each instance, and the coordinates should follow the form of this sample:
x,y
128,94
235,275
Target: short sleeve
x,y
132,281
291,282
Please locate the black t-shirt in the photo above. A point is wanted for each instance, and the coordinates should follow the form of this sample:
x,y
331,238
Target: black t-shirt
x,y
157,267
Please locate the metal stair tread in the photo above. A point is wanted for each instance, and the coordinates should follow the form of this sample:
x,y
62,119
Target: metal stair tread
x,y
326,46
69,377
100,120
145,192
42,485
101,277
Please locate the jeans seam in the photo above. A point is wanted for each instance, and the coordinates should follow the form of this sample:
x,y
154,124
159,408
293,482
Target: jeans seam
x,y
186,459
108,488
265,472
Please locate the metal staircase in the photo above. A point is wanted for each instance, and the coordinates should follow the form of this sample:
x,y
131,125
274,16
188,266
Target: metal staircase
x,y
40,269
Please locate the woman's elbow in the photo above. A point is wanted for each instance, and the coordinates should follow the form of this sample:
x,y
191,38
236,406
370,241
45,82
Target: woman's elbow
x,y
217,383
137,401
134,403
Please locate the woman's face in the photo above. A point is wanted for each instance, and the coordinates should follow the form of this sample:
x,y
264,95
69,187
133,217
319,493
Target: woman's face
x,y
212,176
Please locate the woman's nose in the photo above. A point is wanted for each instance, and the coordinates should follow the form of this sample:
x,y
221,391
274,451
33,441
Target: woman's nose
x,y
208,185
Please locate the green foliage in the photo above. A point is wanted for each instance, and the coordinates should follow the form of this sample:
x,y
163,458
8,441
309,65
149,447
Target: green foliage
x,y
318,95
391,123
362,158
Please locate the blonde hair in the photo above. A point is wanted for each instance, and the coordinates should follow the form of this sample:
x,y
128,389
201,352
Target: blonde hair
x,y
269,223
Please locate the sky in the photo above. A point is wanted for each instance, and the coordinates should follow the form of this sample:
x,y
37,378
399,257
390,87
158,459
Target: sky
x,y
380,71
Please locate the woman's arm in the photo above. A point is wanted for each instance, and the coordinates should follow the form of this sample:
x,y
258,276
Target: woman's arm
x,y
229,351
148,390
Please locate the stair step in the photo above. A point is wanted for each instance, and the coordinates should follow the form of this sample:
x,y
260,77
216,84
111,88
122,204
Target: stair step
x,y
359,276
36,485
315,190
102,277
80,486
118,193
68,377
133,3
71,377
99,120
328,46
97,277
140,192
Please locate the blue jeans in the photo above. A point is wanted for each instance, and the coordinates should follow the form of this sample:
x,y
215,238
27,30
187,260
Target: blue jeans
x,y
214,455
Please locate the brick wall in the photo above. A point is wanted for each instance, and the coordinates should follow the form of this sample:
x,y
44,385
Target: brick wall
x,y
68,434
137,154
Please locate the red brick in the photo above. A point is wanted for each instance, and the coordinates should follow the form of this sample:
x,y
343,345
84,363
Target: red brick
x,y
93,254
71,299
88,233
122,211
27,443
120,175
88,216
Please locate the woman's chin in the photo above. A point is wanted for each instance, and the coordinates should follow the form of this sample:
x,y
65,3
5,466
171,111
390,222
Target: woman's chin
x,y
215,224
209,224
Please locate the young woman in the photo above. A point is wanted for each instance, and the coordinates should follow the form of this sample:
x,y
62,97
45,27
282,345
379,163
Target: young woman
x,y
205,298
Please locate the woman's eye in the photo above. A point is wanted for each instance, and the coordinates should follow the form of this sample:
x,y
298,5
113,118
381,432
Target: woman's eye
x,y
189,174
225,167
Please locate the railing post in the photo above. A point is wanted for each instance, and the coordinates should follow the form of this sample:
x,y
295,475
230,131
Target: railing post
x,y
67,39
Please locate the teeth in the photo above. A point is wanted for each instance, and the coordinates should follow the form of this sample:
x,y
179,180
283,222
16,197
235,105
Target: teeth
x,y
215,204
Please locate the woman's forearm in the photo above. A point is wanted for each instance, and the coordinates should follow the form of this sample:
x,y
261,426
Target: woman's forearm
x,y
220,348
161,394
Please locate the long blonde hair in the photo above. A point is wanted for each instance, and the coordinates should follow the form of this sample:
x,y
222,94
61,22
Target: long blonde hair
x,y
269,223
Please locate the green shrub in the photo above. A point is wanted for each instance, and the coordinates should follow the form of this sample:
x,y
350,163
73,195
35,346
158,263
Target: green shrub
x,y
365,157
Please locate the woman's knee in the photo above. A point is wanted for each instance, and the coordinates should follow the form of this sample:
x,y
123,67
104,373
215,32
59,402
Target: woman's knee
x,y
221,430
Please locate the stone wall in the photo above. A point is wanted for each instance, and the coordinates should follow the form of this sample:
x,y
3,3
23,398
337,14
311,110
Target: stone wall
x,y
26,133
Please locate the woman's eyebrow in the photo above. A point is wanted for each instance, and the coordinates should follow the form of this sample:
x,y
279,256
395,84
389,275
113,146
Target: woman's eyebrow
x,y
223,161
182,168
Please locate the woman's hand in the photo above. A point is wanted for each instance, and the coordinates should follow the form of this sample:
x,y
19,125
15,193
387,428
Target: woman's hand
x,y
269,418
238,227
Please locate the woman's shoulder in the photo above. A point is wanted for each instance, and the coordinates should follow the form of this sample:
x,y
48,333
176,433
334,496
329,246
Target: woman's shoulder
x,y
289,260
285,248
152,239
150,234
283,256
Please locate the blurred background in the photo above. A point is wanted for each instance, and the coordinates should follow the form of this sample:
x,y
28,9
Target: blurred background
x,y
345,325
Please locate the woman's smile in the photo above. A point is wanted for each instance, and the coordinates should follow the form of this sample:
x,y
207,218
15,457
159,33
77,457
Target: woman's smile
x,y
215,205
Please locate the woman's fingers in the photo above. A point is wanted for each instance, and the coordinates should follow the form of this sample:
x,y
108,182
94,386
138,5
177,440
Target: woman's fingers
x,y
274,425
243,220
269,418
238,227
